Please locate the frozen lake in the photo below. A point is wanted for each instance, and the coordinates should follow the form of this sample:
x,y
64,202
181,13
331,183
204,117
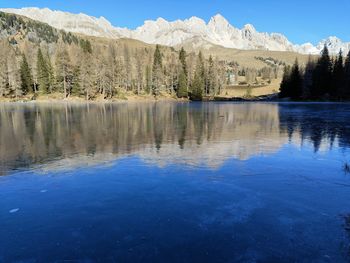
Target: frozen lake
x,y
175,182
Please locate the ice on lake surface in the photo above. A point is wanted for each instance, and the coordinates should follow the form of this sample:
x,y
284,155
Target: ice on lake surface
x,y
175,182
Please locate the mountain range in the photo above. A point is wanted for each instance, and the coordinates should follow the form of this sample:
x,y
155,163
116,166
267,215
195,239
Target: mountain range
x,y
194,31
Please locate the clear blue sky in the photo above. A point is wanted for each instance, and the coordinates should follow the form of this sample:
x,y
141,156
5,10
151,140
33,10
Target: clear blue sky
x,y
300,20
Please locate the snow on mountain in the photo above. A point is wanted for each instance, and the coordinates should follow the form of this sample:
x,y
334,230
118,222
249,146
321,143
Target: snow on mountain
x,y
76,23
217,32
334,44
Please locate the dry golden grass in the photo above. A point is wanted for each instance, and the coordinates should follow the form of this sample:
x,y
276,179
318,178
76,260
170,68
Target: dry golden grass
x,y
246,58
241,92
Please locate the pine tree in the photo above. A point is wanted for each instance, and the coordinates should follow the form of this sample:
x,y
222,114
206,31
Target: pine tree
x,y
182,85
292,83
211,87
182,58
5,83
338,77
285,89
76,89
86,46
64,72
296,82
148,88
197,87
347,77
42,73
307,84
88,81
13,75
200,63
127,68
198,84
322,77
51,75
182,88
157,73
26,76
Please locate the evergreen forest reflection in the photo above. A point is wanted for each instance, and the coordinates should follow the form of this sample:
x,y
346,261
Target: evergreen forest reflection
x,y
165,133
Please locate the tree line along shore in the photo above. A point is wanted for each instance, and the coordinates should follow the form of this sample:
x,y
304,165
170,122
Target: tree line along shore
x,y
84,72
327,78
111,78
38,61
155,75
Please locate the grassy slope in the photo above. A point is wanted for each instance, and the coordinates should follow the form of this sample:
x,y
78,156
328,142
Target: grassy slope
x,y
246,58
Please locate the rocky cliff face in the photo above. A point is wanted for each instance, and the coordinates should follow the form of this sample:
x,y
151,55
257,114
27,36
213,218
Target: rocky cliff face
x,y
218,31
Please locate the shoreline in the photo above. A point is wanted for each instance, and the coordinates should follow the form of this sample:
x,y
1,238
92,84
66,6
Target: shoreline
x,y
74,99
151,99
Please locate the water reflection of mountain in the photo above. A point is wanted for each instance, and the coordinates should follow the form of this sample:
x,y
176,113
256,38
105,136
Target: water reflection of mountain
x,y
161,133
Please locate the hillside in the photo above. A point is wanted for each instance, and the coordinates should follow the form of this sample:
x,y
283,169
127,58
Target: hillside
x,y
249,58
39,60
217,32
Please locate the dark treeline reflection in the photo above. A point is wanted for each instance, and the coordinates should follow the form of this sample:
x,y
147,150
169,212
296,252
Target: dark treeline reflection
x,y
32,134
318,123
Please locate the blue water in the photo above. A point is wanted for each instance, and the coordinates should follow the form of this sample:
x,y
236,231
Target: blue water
x,y
211,182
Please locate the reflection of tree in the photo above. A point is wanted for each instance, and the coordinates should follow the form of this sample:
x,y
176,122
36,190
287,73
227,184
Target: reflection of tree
x,y
158,128
316,123
181,119
35,133
199,123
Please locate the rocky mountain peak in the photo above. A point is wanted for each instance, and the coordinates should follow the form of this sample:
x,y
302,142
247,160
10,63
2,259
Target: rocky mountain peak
x,y
218,31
